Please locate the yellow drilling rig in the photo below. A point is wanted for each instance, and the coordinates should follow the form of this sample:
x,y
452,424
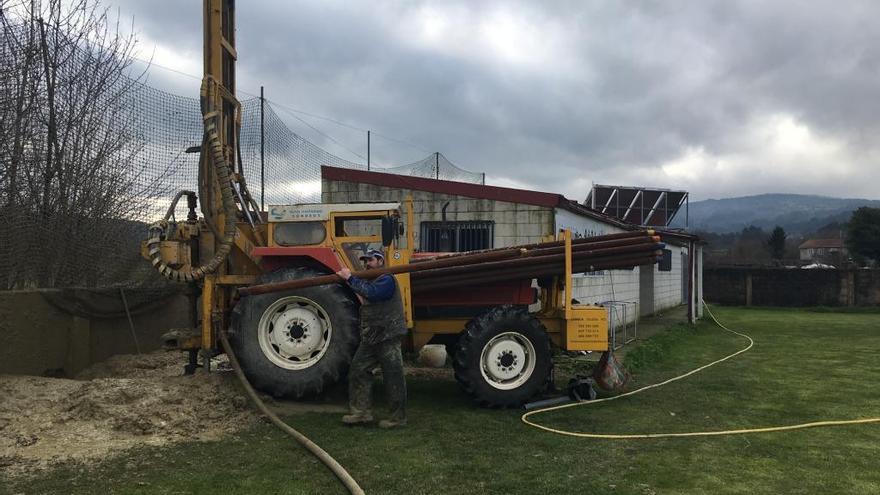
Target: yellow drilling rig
x,y
266,277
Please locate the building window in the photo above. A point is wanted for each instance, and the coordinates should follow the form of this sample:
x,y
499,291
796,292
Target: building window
x,y
665,264
445,237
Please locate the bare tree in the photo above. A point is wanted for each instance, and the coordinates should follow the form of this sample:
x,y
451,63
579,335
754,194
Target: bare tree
x,y
66,147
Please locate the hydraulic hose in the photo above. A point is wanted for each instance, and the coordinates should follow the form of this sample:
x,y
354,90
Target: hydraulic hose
x,y
222,169
312,447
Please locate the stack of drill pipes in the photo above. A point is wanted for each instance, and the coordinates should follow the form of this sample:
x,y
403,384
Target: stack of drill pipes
x,y
539,256
536,269
457,260
534,256
533,271
636,234
584,245
544,271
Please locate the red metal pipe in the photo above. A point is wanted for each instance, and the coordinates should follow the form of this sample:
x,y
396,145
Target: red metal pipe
x,y
534,257
550,244
500,276
538,269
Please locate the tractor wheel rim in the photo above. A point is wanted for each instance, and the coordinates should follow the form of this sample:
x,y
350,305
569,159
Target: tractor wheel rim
x,y
507,361
294,332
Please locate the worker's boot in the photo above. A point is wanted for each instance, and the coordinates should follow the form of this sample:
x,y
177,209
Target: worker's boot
x,y
357,419
387,424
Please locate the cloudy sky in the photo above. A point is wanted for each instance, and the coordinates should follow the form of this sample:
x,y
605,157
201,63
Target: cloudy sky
x,y
720,98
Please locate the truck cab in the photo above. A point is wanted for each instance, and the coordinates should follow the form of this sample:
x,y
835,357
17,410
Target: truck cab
x,y
298,342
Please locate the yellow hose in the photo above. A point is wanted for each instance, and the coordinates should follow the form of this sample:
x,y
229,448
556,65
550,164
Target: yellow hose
x,y
609,436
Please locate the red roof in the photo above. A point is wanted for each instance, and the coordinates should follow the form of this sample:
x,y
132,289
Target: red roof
x,y
822,243
478,191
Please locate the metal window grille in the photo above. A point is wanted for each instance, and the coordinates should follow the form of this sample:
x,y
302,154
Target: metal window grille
x,y
457,236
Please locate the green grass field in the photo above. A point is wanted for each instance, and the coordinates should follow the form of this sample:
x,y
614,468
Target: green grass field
x,y
805,366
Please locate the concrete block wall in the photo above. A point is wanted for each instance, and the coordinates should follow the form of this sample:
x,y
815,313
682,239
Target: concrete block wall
x,y
37,338
792,287
609,285
866,286
515,223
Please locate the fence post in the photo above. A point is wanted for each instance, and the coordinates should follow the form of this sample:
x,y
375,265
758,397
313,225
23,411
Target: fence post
x,y
847,295
262,151
748,289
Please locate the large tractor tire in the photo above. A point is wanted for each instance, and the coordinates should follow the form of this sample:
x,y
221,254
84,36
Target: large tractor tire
x,y
503,357
296,343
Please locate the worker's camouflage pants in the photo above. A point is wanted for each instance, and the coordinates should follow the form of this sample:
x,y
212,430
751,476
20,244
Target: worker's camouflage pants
x,y
388,356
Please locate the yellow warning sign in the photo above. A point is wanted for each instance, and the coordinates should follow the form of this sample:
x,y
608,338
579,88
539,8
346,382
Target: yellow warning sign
x,y
587,329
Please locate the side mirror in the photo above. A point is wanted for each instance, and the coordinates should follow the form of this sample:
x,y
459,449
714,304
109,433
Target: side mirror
x,y
387,231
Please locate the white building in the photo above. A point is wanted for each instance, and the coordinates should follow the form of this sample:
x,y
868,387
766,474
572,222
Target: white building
x,y
455,216
822,249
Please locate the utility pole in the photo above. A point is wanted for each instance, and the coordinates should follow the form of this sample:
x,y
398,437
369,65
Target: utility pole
x,y
437,164
368,151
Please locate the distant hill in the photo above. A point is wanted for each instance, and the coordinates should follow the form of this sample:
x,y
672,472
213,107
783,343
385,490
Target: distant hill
x,y
796,213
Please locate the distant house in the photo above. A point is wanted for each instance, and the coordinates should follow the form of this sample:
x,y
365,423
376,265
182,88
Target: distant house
x,y
819,249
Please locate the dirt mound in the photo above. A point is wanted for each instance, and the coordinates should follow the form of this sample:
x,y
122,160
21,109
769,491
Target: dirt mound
x,y
123,402
134,400
151,365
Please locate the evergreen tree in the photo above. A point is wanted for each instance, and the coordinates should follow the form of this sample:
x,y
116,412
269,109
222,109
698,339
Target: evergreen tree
x,y
776,243
863,233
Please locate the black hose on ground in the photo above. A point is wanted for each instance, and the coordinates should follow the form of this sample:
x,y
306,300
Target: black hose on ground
x,y
312,447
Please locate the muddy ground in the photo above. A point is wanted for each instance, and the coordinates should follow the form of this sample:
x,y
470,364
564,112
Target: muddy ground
x,y
129,401
121,403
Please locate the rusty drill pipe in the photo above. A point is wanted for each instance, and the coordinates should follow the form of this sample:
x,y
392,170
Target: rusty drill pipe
x,y
544,271
541,268
538,256
579,247
526,263
442,262
502,276
479,257
372,273
550,244
536,270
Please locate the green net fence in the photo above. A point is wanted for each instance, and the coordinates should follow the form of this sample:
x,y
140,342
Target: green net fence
x,y
89,156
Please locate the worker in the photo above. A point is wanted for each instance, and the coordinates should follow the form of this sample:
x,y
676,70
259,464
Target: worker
x,y
383,325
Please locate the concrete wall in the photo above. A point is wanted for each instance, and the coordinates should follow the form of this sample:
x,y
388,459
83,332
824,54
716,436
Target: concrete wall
x,y
792,287
515,223
37,338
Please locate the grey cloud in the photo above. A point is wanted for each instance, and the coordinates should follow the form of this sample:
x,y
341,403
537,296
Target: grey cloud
x,y
639,84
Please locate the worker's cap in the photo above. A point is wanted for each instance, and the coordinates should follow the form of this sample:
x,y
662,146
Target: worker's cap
x,y
373,253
